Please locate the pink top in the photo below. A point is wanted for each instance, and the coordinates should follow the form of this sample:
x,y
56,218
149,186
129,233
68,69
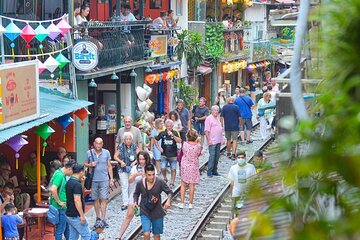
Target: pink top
x,y
213,126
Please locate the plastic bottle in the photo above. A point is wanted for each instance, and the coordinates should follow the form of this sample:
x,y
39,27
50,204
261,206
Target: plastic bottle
x,y
136,212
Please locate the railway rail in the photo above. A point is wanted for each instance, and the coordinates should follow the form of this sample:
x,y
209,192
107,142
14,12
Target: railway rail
x,y
207,198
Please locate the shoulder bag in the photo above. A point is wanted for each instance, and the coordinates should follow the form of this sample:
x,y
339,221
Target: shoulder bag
x,y
53,214
89,173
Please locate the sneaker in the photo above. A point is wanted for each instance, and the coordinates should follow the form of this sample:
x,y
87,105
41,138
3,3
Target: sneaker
x,y
228,155
233,157
216,174
124,207
105,224
191,206
171,186
249,141
209,175
180,205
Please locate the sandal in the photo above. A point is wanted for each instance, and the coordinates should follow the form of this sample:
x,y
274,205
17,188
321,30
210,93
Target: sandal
x,y
171,185
165,180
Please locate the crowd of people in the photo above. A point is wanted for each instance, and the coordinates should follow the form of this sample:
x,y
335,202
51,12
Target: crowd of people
x,y
144,152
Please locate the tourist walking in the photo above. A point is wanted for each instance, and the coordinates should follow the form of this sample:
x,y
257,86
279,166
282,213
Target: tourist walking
x,y
184,116
239,175
75,212
252,86
231,119
200,112
214,138
169,137
265,114
245,104
128,127
220,99
136,175
190,174
151,212
58,198
98,159
159,126
125,155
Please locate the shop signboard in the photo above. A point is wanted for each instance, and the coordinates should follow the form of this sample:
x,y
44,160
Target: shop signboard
x,y
260,51
19,93
158,45
85,56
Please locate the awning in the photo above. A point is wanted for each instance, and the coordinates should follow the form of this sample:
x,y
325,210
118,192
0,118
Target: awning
x,y
204,69
51,107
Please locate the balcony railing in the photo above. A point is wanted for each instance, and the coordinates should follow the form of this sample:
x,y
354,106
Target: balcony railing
x,y
118,42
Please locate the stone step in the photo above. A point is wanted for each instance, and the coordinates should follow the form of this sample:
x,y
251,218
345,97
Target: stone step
x,y
217,225
214,232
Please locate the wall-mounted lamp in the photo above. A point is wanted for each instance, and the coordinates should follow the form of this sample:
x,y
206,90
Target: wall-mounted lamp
x,y
114,76
133,73
92,84
148,69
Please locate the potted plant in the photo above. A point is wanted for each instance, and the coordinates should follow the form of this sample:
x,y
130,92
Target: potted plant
x,y
287,34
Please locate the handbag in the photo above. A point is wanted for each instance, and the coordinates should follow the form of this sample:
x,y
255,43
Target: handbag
x,y
261,112
89,175
179,155
149,204
53,214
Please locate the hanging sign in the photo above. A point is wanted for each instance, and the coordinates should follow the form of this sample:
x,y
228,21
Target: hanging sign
x,y
85,56
19,93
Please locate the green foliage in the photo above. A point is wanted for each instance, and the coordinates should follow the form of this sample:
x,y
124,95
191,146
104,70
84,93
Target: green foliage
x,y
182,46
214,41
187,93
326,177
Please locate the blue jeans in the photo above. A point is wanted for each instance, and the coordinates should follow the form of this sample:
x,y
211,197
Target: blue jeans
x,y
76,228
214,155
62,226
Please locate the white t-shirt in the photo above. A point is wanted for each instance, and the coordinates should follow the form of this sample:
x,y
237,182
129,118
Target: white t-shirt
x,y
240,175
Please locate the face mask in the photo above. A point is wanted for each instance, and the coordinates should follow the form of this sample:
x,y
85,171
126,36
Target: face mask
x,y
241,161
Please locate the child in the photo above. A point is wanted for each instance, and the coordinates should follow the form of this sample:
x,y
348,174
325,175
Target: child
x,y
98,228
9,222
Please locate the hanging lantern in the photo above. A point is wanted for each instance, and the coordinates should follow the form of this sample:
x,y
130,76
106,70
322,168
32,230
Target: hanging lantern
x,y
64,26
65,121
164,76
28,33
82,114
16,143
51,64
12,32
157,77
44,131
41,34
41,67
63,61
54,31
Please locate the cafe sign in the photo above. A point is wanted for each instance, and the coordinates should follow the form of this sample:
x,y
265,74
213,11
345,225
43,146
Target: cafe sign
x,y
85,56
19,93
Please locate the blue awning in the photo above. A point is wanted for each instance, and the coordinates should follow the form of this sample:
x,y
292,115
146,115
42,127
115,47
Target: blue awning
x,y
51,107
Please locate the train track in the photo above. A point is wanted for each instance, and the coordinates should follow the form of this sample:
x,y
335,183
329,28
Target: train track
x,y
209,199
214,222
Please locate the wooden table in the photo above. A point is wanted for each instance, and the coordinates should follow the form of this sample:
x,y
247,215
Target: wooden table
x,y
29,214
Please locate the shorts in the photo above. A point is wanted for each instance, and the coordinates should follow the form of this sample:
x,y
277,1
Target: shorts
x,y
199,127
231,135
169,160
155,226
100,190
247,124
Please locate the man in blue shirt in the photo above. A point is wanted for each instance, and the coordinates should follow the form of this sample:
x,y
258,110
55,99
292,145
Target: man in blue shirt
x,y
245,104
231,120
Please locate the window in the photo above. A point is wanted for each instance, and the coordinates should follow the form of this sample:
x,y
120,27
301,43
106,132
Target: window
x,y
155,4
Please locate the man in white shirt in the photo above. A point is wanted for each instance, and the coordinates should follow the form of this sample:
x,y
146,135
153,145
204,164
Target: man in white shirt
x,y
239,175
127,15
160,22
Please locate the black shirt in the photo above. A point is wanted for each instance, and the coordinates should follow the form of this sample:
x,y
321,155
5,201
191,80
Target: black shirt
x,y
73,187
168,143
